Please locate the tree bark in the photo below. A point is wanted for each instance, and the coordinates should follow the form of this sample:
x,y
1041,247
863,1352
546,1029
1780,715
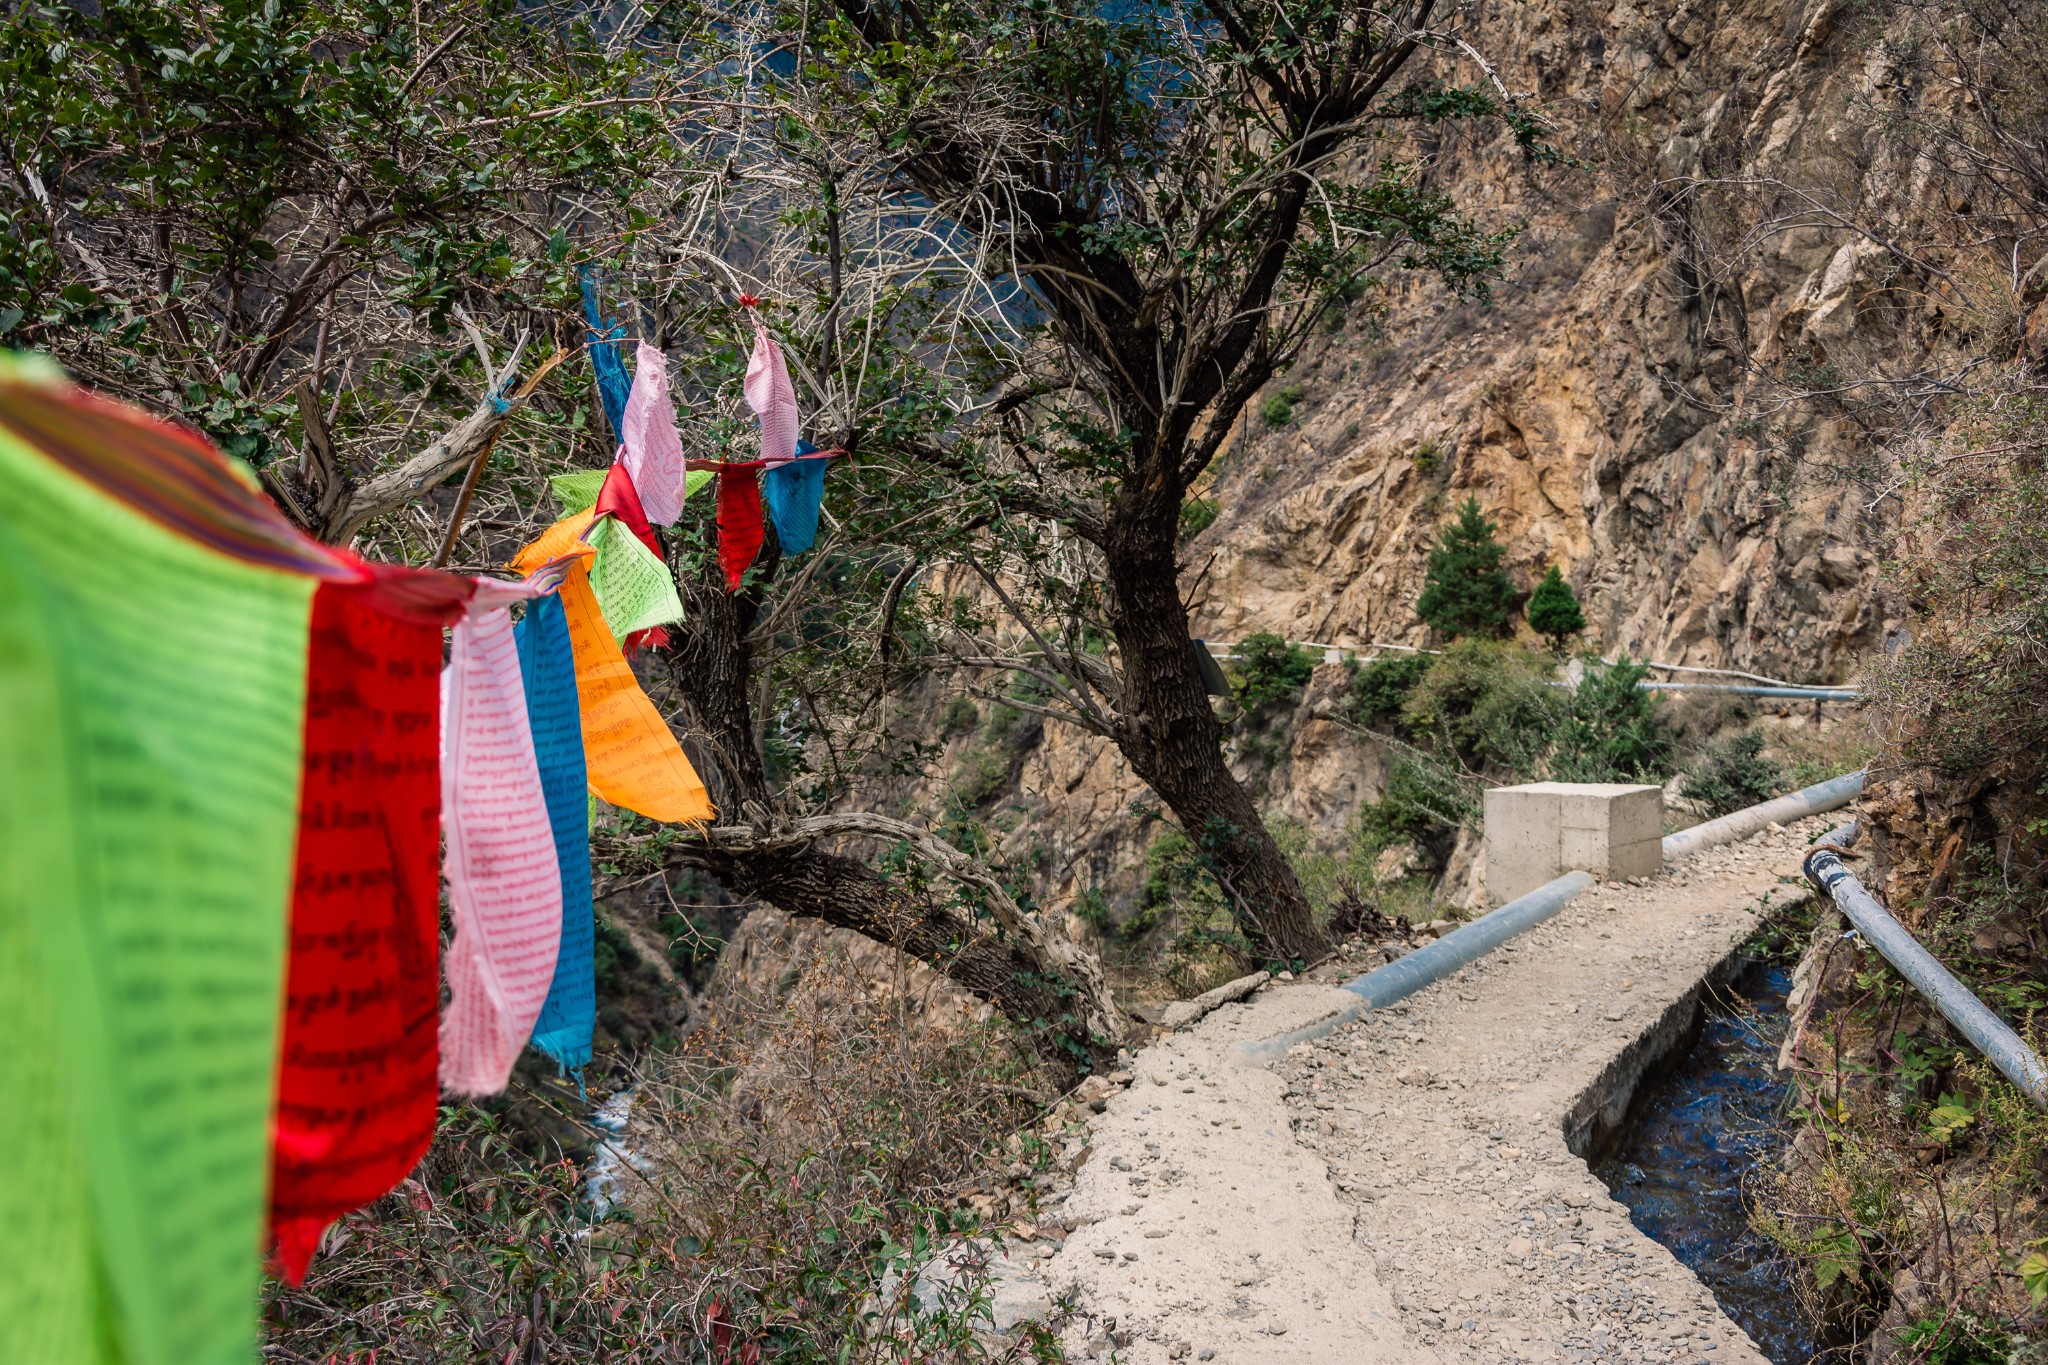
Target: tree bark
x,y
1171,738
1028,969
1067,1030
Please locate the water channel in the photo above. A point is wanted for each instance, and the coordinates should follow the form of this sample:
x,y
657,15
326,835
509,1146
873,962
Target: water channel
x,y
1691,1142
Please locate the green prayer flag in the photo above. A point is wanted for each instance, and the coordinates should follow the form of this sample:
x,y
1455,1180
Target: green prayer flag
x,y
633,588
578,489
694,480
152,692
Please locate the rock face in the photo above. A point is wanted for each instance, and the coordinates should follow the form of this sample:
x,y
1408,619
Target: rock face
x,y
1605,407
1617,408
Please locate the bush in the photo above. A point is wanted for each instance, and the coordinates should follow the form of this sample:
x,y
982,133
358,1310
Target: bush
x,y
1424,803
1554,610
1486,702
1377,690
1270,670
1198,515
1614,731
1731,773
1465,591
764,1211
1278,409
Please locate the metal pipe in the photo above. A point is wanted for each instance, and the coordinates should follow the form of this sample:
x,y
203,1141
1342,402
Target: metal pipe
x,y
1821,796
1433,962
1731,689
1973,1019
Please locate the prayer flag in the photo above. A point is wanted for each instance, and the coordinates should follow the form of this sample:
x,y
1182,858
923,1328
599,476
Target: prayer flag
x,y
613,387
739,520
504,880
633,759
577,489
795,492
357,1096
634,588
547,665
772,397
653,452
153,626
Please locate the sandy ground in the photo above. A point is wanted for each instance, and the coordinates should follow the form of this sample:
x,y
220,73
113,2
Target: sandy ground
x,y
1405,1190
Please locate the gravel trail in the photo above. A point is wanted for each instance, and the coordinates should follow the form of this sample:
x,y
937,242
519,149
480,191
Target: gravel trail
x,y
1407,1189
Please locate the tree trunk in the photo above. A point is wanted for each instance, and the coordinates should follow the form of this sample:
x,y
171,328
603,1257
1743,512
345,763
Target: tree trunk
x,y
1172,740
1048,1006
1051,989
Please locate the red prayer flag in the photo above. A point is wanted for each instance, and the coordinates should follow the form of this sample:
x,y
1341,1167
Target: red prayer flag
x,y
739,519
357,1089
619,498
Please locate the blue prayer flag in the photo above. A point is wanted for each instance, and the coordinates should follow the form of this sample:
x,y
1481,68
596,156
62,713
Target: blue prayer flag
x,y
794,492
613,385
549,670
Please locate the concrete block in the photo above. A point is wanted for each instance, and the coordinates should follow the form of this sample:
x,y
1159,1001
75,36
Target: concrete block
x,y
1540,830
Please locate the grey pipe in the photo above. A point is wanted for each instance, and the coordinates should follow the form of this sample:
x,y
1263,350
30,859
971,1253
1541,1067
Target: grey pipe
x,y
1821,796
1802,693
1972,1018
1433,962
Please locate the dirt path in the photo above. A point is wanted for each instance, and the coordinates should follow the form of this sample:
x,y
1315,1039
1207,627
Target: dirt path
x,y
1406,1190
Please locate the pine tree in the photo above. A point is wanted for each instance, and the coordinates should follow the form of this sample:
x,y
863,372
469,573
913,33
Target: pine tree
x,y
1554,610
1465,591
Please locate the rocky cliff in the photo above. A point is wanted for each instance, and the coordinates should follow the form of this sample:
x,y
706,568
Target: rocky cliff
x,y
1632,403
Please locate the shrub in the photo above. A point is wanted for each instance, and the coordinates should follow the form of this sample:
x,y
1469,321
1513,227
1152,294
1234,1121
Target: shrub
x,y
1377,690
1278,409
764,1217
1614,731
1465,591
1554,610
1731,773
1198,515
1270,670
1486,702
960,716
1424,803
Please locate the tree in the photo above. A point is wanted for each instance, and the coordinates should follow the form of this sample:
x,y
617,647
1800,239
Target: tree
x,y
1554,609
325,230
1155,204
1465,591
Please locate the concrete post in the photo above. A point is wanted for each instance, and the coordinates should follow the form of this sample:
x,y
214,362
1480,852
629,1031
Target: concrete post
x,y
1540,830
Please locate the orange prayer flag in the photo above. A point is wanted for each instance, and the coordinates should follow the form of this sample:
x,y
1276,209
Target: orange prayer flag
x,y
565,537
633,759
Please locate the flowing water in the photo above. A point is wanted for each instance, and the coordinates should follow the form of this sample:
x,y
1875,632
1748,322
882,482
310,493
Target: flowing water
x,y
1692,1139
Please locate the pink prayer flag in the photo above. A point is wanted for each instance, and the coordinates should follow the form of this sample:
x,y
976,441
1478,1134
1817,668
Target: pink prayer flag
x,y
772,397
504,880
653,452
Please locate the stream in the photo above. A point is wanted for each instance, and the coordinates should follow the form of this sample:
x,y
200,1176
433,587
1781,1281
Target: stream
x,y
1692,1138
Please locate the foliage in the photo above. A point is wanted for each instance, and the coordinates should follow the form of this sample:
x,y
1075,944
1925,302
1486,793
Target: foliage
x,y
1553,610
763,1213
1731,772
1612,729
1489,710
1424,802
1970,689
1488,703
1465,592
1198,515
1376,690
1278,409
1270,671
223,198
